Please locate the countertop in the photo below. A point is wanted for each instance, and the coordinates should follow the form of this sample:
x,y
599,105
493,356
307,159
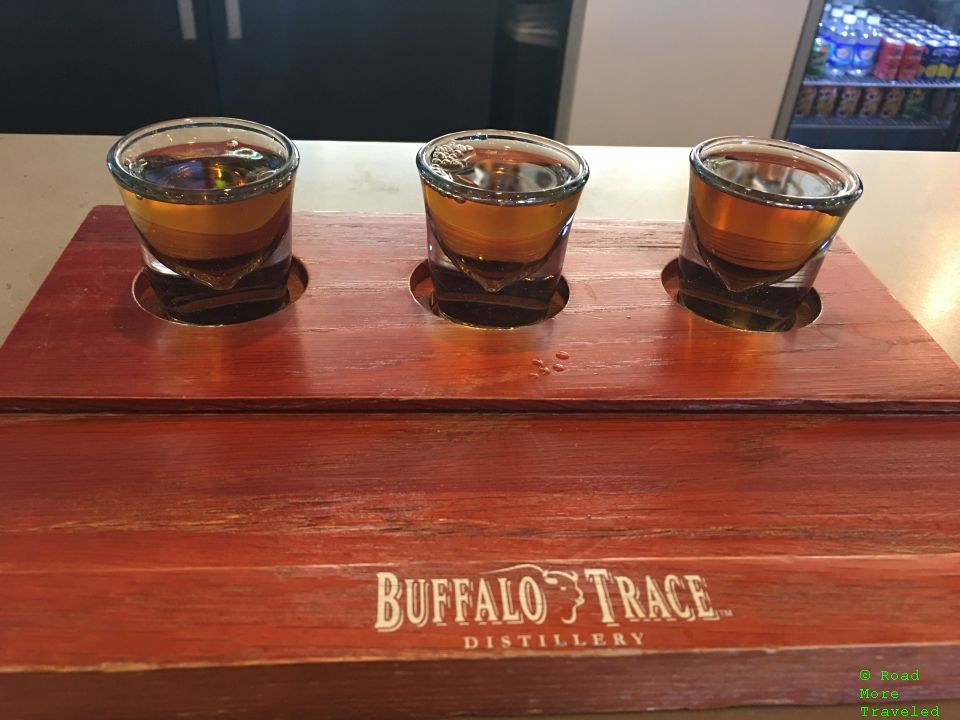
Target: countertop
x,y
906,227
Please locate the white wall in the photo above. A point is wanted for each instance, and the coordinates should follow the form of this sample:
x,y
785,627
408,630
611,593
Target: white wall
x,y
674,72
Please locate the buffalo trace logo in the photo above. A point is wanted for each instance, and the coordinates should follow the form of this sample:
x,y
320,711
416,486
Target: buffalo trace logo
x,y
530,595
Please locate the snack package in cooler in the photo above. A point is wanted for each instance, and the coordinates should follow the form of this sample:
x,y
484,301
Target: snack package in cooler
x,y
872,97
914,104
849,98
943,103
805,101
892,103
826,100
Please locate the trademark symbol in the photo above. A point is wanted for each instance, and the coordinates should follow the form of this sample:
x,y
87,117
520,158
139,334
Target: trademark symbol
x,y
725,613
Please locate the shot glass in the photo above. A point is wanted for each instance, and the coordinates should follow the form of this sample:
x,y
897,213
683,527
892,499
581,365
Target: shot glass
x,y
499,206
211,199
761,215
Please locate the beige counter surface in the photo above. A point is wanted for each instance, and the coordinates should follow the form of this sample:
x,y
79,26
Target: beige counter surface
x,y
906,228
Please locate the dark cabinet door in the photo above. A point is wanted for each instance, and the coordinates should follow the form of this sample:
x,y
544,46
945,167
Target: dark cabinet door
x,y
105,67
358,70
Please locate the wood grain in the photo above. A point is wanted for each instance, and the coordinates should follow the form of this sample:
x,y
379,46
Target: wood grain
x,y
145,619
200,564
284,488
357,340
244,563
472,687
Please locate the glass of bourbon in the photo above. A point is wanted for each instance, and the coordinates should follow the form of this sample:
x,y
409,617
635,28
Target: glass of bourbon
x,y
761,215
211,199
499,206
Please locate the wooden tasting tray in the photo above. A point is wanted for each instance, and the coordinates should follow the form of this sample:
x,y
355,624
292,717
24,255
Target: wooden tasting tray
x,y
786,506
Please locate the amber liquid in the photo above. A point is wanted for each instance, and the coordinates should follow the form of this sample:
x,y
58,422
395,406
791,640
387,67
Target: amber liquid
x,y
219,262
498,264
748,263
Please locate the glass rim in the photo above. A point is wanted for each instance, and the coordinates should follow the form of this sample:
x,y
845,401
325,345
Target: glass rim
x,y
852,185
139,186
581,171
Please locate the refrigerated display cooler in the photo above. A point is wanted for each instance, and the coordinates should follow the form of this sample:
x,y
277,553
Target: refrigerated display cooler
x,y
876,74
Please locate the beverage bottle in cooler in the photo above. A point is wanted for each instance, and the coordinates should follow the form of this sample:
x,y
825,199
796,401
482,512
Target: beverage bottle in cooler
x,y
865,51
819,55
844,40
915,52
820,50
949,59
889,56
829,24
929,63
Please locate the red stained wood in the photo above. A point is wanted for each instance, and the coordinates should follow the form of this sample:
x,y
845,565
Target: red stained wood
x,y
357,339
417,689
102,492
210,565
198,563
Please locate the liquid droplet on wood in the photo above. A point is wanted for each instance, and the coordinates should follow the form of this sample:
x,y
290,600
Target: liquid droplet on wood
x,y
563,355
559,367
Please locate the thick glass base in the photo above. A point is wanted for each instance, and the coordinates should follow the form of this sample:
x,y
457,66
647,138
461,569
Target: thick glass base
x,y
461,299
772,308
257,295
763,304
